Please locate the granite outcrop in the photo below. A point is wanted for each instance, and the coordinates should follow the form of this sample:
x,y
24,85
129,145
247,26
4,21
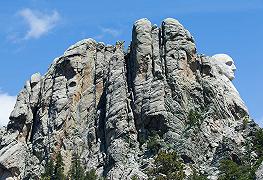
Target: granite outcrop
x,y
105,103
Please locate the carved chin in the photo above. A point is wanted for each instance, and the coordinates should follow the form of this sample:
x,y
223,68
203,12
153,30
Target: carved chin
x,y
231,76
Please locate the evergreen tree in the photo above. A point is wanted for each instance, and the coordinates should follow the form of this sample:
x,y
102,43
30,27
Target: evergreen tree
x,y
91,175
232,171
168,167
196,176
49,170
59,168
76,171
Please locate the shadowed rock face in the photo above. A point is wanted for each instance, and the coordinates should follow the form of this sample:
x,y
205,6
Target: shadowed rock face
x,y
105,103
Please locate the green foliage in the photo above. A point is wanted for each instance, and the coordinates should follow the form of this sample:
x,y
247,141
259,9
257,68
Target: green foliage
x,y
91,175
257,164
245,171
194,118
49,170
134,177
258,142
153,143
245,122
129,141
196,176
45,178
259,137
54,172
232,171
168,166
59,168
77,172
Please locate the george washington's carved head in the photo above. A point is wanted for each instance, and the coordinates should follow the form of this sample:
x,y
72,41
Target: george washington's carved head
x,y
226,65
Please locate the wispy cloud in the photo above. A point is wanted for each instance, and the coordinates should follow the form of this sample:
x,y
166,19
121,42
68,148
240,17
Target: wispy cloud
x,y
7,104
108,31
39,23
111,31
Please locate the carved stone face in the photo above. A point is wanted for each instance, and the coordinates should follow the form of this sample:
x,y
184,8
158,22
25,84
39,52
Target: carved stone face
x,y
226,64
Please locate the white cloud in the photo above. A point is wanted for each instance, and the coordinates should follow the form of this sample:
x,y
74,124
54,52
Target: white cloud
x,y
39,23
111,31
7,104
108,31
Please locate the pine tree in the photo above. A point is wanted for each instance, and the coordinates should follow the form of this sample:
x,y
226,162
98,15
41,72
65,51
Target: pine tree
x,y
49,170
91,175
59,168
77,172
168,167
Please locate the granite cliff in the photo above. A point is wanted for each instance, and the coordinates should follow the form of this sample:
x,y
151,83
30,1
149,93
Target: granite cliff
x,y
107,104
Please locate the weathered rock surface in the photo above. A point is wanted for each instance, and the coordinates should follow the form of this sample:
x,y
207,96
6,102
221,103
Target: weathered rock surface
x,y
105,103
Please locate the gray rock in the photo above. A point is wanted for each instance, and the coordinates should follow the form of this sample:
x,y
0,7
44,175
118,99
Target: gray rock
x,y
259,172
105,104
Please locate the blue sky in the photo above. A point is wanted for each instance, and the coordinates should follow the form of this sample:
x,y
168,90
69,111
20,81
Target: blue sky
x,y
34,32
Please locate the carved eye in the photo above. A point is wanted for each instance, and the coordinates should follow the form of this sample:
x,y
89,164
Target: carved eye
x,y
72,84
229,63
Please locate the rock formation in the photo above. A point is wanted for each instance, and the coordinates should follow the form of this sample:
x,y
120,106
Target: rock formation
x,y
105,104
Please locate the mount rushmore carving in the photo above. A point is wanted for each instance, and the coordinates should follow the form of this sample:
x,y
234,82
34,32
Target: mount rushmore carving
x,y
105,104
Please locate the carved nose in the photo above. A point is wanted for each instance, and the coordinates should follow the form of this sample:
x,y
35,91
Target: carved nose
x,y
234,67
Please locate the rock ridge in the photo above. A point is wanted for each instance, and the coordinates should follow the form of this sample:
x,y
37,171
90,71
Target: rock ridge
x,y
105,104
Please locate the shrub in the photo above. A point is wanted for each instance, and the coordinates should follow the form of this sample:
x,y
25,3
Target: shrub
x,y
245,122
246,170
153,143
134,178
54,172
232,171
258,142
45,178
91,175
196,176
49,170
59,168
76,170
167,166
194,118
